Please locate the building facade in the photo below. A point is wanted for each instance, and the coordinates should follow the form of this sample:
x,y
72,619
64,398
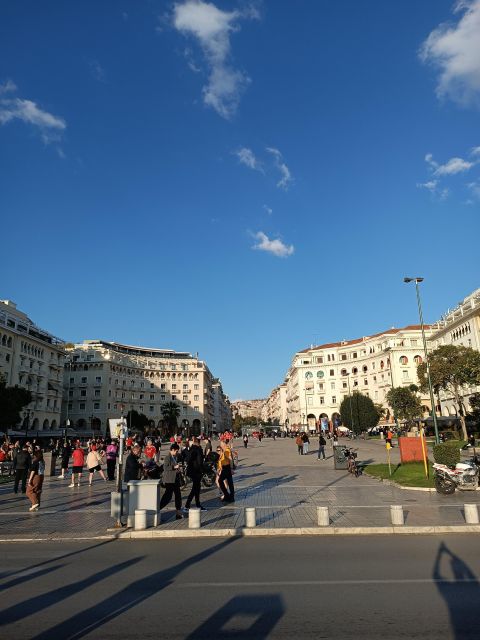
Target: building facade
x,y
458,327
320,377
222,412
32,358
103,379
248,408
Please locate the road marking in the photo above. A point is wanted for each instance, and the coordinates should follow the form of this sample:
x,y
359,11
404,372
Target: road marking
x,y
314,583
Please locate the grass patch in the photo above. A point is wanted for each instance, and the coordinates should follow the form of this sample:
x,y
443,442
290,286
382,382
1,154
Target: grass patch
x,y
410,474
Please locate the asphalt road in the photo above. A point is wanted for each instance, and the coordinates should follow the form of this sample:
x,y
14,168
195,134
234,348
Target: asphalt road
x,y
342,587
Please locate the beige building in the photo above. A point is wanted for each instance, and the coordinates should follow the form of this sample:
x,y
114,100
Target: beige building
x,y
274,409
105,379
459,327
222,413
320,377
248,408
33,359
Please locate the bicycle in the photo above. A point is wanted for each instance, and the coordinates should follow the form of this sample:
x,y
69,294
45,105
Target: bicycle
x,y
353,467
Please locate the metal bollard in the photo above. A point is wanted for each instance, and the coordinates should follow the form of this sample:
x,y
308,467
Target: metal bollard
x,y
140,519
250,518
194,518
471,513
396,513
323,516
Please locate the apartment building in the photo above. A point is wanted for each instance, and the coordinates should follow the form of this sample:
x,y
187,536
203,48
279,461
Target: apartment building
x,y
274,409
32,358
222,413
320,377
103,379
248,408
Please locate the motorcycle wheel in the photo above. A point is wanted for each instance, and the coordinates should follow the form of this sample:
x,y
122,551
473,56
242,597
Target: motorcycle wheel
x,y
444,486
208,480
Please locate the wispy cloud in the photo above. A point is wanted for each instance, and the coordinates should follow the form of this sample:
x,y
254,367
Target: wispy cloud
x,y
455,50
247,157
450,168
275,247
475,189
213,27
12,108
286,177
267,209
97,71
432,186
475,151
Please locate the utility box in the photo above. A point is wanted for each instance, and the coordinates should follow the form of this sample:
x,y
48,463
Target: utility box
x,y
144,494
340,459
50,460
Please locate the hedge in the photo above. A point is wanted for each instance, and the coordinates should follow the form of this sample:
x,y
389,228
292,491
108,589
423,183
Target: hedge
x,y
447,453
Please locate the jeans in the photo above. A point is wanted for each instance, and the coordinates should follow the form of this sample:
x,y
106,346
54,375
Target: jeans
x,y
305,448
321,451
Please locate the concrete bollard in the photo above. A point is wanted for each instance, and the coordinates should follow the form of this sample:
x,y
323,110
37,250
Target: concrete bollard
x,y
471,513
396,513
140,519
323,516
250,518
194,518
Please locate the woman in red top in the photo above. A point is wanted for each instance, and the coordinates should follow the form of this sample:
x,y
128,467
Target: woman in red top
x,y
150,450
78,457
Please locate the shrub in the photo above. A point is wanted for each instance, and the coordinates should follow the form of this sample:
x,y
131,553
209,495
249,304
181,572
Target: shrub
x,y
447,453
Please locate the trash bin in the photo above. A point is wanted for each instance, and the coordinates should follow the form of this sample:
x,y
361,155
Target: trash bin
x,y
340,459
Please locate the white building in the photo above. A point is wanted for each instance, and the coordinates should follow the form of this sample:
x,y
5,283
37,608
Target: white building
x,y
320,377
105,379
222,413
33,359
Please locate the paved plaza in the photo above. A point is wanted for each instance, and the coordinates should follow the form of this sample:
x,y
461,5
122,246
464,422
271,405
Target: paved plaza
x,y
284,487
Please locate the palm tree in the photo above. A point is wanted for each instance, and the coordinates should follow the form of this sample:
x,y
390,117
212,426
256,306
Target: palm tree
x,y
170,412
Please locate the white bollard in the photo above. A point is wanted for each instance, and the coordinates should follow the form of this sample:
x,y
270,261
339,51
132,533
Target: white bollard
x,y
323,516
396,513
250,518
471,513
194,518
140,519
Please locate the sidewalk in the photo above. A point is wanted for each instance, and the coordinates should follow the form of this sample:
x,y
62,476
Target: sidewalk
x,y
285,489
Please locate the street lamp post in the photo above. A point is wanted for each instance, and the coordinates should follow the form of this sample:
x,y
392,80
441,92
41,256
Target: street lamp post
x,y
425,350
390,360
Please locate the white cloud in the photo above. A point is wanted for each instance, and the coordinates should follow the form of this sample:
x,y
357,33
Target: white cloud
x,y
276,247
212,28
435,190
7,87
268,209
247,157
475,188
450,168
97,71
475,151
286,176
455,50
51,127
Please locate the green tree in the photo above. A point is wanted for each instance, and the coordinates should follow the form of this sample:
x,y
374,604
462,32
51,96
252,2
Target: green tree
x,y
358,412
12,401
452,369
136,420
405,404
475,405
171,412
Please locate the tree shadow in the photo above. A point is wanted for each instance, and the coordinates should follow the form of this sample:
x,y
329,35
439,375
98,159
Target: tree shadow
x,y
246,616
96,616
460,589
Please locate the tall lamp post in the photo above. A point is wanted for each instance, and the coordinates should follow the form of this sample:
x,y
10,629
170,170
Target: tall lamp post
x,y
425,350
390,360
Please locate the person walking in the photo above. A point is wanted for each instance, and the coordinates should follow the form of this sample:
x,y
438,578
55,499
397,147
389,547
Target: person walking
x,y
78,459
245,441
133,467
321,447
225,474
299,443
306,443
66,453
208,447
195,471
171,469
35,480
21,464
94,463
112,454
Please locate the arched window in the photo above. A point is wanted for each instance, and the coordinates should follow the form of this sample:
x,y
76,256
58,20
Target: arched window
x,y
354,371
403,360
382,364
343,372
418,359
364,368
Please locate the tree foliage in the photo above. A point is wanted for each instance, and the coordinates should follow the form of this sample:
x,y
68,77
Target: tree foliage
x,y
12,401
136,420
475,407
170,412
452,369
405,404
358,412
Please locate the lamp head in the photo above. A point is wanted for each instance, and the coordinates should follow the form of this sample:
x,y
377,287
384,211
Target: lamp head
x,y
413,280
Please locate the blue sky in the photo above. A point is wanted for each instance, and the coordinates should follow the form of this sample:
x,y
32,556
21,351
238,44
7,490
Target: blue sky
x,y
240,179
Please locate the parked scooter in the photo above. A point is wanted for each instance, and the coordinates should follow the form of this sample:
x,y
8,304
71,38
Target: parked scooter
x,y
463,477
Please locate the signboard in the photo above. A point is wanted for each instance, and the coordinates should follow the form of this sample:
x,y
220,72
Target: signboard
x,y
118,427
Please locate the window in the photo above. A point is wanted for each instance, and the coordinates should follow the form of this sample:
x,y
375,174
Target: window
x,y
108,406
174,386
124,383
306,362
418,359
309,400
151,408
196,398
195,408
152,396
96,405
365,381
332,372
162,397
185,386
83,393
334,399
354,371
141,396
320,374
90,357
320,360
320,386
308,375
405,374
343,356
174,366
70,406
98,380
70,393
84,380
413,343
72,380
152,386
322,400
364,368
174,397
163,386
185,398
196,387
403,360
97,393
332,385
343,372
82,406
142,385
354,354
344,385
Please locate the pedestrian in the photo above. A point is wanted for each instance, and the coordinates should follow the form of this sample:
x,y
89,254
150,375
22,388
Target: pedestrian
x,y
321,446
66,453
245,441
306,443
195,472
335,439
133,467
78,459
150,450
35,480
389,437
225,474
208,447
21,464
94,463
171,480
112,454
299,443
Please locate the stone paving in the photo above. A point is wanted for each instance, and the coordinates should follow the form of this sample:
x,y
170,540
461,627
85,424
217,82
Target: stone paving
x,y
284,487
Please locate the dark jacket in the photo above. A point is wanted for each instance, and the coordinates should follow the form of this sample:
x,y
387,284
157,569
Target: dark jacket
x,y
132,468
195,461
169,473
22,460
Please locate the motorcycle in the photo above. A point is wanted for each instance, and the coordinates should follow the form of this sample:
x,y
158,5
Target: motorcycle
x,y
464,476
